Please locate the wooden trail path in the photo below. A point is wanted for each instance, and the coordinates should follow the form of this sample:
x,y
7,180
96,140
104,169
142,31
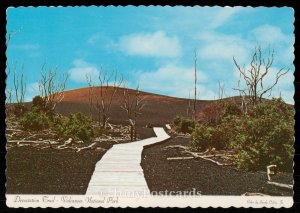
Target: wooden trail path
x,y
119,172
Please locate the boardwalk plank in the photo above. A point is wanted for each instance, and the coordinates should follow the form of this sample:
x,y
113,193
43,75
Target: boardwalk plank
x,y
119,170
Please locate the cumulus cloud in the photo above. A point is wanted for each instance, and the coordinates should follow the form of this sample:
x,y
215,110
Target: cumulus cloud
x,y
270,34
223,15
81,69
282,43
156,44
223,47
171,79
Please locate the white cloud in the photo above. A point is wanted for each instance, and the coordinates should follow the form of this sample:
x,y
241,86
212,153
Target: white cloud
x,y
156,44
222,16
206,94
227,51
282,43
287,55
223,47
171,79
81,69
285,82
190,20
269,34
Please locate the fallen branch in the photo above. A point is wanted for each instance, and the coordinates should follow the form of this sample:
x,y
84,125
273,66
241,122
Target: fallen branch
x,y
110,126
176,146
87,147
180,158
195,155
282,185
15,130
216,162
217,155
206,157
67,142
32,141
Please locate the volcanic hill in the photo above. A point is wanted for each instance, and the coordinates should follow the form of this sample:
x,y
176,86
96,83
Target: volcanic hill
x,y
158,110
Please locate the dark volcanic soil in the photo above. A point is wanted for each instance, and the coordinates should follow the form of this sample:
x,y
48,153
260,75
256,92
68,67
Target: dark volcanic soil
x,y
49,171
207,177
52,171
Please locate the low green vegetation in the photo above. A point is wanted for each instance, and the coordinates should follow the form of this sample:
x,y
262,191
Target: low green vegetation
x,y
184,124
76,126
262,136
34,120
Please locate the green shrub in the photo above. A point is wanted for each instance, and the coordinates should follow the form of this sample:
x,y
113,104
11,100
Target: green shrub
x,y
231,108
211,136
39,105
38,102
177,120
265,136
202,137
262,137
35,121
77,126
184,124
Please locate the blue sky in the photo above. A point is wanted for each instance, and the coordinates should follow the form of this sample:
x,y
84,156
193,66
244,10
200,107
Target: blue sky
x,y
151,46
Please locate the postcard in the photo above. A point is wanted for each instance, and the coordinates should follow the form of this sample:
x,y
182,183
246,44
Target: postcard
x,y
150,106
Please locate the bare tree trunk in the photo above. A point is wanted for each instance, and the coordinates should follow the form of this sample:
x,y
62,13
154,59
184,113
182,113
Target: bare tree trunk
x,y
195,88
101,102
19,90
132,104
188,110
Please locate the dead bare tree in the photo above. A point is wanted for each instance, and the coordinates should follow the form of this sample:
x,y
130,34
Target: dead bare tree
x,y
133,104
8,92
51,88
17,93
101,101
188,109
254,76
19,85
195,86
221,91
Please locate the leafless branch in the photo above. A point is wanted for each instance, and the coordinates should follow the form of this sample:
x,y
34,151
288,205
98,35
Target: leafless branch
x,y
133,105
256,73
51,88
109,84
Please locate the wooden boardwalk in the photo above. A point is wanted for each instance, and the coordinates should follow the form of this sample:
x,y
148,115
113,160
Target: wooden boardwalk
x,y
119,172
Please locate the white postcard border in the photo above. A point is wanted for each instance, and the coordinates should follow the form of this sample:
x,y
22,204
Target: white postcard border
x,y
95,201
